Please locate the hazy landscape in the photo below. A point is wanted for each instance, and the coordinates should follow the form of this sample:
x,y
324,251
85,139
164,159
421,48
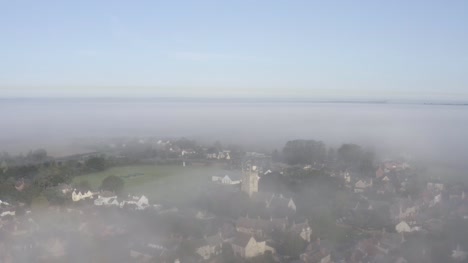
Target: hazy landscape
x,y
233,131
435,133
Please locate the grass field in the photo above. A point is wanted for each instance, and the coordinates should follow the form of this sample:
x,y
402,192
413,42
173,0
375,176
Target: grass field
x,y
172,183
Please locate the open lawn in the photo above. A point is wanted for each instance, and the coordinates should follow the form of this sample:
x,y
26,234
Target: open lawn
x,y
158,182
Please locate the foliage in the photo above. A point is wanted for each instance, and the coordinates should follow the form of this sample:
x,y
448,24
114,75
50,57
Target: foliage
x,y
304,152
113,183
38,155
51,175
228,254
352,156
84,185
265,258
97,163
275,156
55,196
292,244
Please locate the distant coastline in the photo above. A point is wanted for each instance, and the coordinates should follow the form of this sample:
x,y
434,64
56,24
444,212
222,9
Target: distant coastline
x,y
224,100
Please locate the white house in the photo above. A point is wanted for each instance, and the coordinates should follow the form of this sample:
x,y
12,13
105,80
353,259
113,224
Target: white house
x,y
362,185
435,186
458,254
226,180
347,177
303,230
106,201
79,196
437,199
403,227
5,213
409,212
279,202
246,246
141,203
210,246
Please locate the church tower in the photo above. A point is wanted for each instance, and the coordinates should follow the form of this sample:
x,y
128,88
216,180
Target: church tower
x,y
250,179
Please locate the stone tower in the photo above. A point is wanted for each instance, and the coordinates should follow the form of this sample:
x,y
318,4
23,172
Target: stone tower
x,y
250,179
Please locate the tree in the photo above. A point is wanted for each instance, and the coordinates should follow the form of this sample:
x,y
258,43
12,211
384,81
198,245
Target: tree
x,y
275,156
84,186
3,167
265,258
50,176
55,196
350,155
228,254
218,145
292,244
304,152
37,155
97,163
113,183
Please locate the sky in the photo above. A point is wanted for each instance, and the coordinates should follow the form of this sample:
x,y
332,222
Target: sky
x,y
281,49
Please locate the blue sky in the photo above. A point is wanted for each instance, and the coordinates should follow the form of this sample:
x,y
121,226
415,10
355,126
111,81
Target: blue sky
x,y
314,49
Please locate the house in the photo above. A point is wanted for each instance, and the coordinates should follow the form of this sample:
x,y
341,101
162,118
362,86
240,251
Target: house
x,y
408,212
260,227
403,227
246,246
225,155
347,177
211,156
389,242
317,252
280,202
79,196
64,188
202,215
435,186
106,199
380,172
436,200
19,185
188,152
458,254
6,213
141,203
149,253
209,246
303,230
232,179
276,205
361,185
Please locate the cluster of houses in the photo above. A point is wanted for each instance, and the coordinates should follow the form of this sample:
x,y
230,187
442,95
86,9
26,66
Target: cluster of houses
x,y
404,214
221,155
379,240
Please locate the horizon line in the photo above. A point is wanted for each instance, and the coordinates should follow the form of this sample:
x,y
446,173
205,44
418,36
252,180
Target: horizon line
x,y
247,100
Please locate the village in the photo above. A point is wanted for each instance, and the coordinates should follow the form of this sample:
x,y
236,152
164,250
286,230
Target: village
x,y
261,209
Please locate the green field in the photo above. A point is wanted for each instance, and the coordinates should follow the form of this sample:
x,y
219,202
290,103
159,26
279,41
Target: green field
x,y
174,183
